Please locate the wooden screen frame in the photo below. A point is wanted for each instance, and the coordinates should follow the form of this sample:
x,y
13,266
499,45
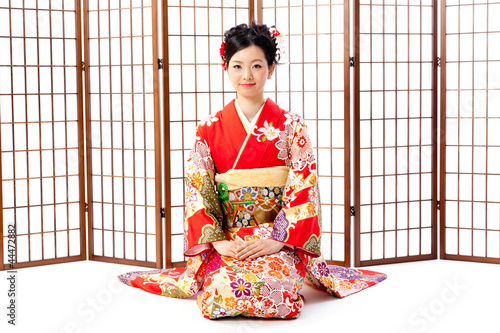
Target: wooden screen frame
x,y
357,159
443,145
158,263
256,8
81,172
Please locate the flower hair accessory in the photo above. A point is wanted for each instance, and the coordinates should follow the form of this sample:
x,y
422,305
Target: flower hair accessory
x,y
222,55
280,43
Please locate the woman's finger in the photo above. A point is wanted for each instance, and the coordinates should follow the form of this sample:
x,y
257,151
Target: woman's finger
x,y
245,251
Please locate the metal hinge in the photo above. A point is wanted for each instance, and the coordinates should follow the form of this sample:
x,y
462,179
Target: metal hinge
x,y
86,207
439,62
353,211
160,63
351,61
162,212
83,66
438,205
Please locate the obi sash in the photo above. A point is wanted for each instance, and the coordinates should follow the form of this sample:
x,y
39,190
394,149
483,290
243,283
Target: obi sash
x,y
251,197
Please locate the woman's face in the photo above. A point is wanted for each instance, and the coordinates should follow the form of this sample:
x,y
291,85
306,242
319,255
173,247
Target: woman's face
x,y
248,72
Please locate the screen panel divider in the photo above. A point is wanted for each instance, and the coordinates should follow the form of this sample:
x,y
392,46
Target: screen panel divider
x,y
347,136
442,127
166,136
81,131
88,157
157,141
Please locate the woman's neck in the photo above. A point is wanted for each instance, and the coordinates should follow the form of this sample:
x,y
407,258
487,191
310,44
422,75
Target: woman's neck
x,y
250,107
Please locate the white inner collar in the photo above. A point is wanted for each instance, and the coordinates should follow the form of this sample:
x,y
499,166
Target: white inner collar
x,y
244,120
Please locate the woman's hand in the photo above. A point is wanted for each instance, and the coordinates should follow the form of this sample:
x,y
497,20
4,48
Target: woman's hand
x,y
228,248
256,248
242,250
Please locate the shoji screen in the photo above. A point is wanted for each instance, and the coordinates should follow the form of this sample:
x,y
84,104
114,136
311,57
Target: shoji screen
x,y
123,132
42,186
195,87
395,124
314,82
470,123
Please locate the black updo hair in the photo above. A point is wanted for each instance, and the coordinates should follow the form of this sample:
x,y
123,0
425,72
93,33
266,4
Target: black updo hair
x,y
242,36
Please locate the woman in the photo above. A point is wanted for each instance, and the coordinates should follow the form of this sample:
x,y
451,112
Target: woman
x,y
252,228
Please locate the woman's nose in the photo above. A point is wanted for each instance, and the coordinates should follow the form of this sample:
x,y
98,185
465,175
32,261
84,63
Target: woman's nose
x,y
247,74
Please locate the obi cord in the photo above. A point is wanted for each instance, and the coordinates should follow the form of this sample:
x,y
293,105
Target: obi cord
x,y
227,205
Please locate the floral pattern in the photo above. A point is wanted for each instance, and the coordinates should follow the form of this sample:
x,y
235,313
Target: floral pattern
x,y
241,287
267,286
301,150
267,132
313,195
208,121
201,158
283,143
248,194
273,192
263,231
296,181
191,193
243,219
323,269
263,198
196,179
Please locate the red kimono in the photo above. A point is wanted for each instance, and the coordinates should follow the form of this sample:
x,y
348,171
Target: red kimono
x,y
252,183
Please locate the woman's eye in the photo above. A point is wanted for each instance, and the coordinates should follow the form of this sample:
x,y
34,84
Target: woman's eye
x,y
257,66
236,66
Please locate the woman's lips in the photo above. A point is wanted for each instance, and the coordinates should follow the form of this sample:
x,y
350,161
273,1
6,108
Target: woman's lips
x,y
247,85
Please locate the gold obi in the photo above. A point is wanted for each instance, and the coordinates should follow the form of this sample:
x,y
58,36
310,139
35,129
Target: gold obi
x,y
250,197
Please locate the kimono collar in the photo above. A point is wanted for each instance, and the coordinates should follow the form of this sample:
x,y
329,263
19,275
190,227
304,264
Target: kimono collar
x,y
253,150
244,120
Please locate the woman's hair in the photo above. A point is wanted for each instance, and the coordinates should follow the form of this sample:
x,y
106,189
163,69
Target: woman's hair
x,y
242,36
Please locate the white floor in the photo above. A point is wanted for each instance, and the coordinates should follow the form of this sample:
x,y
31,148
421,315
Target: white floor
x,y
432,296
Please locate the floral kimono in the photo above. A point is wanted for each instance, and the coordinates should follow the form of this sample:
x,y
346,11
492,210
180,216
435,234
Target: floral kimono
x,y
252,182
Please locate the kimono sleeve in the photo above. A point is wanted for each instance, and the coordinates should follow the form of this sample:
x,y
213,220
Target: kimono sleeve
x,y
298,223
203,217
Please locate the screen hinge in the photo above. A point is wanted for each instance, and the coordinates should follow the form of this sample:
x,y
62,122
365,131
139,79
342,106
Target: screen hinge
x,y
353,211
438,61
162,213
438,205
83,66
160,63
352,61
